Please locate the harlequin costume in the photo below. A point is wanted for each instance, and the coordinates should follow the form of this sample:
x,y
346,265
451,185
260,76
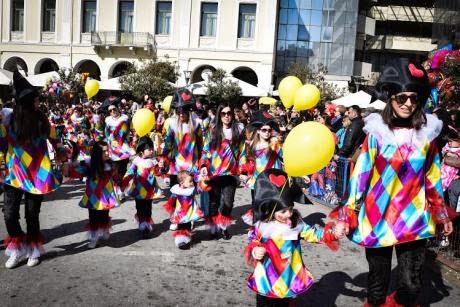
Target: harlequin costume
x,y
184,210
29,173
395,192
223,164
99,197
281,274
139,182
116,133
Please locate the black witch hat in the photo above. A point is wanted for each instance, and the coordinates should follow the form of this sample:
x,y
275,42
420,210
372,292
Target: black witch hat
x,y
183,100
402,76
25,92
273,191
261,118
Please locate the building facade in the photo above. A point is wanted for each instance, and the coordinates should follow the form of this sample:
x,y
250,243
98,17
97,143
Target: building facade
x,y
103,37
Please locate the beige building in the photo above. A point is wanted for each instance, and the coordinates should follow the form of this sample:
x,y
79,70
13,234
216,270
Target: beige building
x,y
103,36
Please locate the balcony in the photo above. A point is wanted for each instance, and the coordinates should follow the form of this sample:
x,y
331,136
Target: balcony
x,y
118,39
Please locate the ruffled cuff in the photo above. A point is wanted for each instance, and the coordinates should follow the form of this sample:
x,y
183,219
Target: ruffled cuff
x,y
251,261
329,238
170,205
346,215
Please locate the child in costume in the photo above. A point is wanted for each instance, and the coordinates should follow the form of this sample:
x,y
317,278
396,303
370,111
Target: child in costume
x,y
452,148
99,196
183,209
274,242
143,188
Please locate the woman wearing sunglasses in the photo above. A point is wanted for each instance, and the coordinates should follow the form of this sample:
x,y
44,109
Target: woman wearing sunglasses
x,y
116,133
264,151
222,151
395,194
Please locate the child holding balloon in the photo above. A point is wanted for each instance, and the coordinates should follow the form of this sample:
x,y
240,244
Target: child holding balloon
x,y
274,242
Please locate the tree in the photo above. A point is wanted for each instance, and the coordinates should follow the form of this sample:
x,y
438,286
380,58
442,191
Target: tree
x,y
151,77
72,81
315,75
222,90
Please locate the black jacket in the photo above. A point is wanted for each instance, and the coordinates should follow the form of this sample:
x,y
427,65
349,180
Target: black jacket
x,y
354,137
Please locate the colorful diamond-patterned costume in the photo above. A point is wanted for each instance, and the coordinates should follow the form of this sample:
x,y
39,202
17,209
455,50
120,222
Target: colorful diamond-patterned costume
x,y
142,173
28,165
281,273
116,133
266,158
397,178
186,209
181,148
99,192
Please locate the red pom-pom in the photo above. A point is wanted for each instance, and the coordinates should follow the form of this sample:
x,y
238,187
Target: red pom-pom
x,y
170,205
221,220
248,252
345,214
415,72
329,237
182,233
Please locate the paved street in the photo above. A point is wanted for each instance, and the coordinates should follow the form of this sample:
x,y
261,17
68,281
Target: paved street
x,y
126,270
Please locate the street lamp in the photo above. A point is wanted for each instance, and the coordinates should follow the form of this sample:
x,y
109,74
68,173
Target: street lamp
x,y
187,74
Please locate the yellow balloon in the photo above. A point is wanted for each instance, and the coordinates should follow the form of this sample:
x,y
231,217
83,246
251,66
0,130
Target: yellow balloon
x,y
287,89
312,138
306,97
166,105
91,88
143,121
267,101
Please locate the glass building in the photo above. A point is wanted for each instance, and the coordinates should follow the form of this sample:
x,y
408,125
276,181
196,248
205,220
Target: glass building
x,y
317,31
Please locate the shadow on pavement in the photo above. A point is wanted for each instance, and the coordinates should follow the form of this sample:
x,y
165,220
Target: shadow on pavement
x,y
68,229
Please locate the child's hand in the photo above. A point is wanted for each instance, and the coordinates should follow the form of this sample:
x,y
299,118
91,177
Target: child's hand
x,y
259,252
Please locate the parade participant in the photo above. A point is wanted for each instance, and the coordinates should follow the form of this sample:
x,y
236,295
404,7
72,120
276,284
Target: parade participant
x,y
183,209
223,147
274,242
395,192
99,196
74,123
24,143
182,138
143,187
264,151
116,134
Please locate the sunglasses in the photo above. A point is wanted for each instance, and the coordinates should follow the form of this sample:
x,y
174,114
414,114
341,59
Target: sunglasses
x,y
110,110
402,98
263,130
229,113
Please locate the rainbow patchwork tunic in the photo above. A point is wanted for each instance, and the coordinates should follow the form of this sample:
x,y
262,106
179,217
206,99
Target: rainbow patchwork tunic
x,y
397,179
186,209
264,160
141,173
29,166
116,133
182,150
73,127
225,160
99,192
281,273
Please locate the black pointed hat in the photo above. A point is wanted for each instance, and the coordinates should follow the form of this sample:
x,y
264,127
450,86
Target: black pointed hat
x,y
261,118
273,191
183,99
144,143
25,92
401,75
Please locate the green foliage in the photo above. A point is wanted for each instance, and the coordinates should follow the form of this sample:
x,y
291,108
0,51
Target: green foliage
x,y
221,90
151,77
72,81
315,75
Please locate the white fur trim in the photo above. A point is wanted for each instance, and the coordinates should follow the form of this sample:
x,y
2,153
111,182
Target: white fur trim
x,y
213,228
176,189
18,252
145,225
378,129
35,252
182,239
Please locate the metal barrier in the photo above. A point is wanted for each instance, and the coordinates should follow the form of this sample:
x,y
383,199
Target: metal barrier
x,y
447,249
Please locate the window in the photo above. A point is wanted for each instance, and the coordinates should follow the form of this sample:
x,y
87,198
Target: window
x,y
163,18
247,21
18,15
49,15
126,16
208,19
89,16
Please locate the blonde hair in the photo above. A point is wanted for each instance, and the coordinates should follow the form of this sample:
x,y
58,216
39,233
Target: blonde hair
x,y
183,175
346,122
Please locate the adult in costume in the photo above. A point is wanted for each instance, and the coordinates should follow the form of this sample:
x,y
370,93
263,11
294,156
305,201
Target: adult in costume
x,y
395,193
